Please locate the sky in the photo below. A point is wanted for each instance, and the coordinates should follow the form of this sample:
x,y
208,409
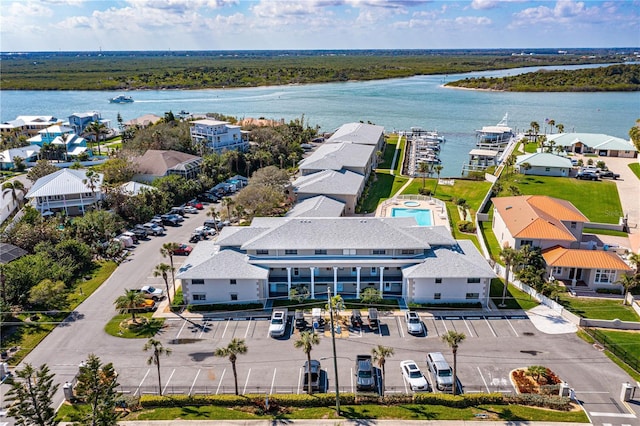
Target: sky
x,y
92,25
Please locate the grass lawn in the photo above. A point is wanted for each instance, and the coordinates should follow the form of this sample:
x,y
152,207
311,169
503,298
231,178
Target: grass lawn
x,y
400,157
145,330
530,147
384,186
472,191
598,200
389,151
635,168
610,232
515,299
627,340
607,309
397,412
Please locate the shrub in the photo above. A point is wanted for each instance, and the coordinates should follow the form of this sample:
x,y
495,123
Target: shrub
x,y
458,401
550,389
608,291
544,401
466,226
150,401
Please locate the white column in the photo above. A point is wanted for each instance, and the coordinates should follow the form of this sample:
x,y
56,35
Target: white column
x,y
313,282
358,280
381,280
335,278
288,280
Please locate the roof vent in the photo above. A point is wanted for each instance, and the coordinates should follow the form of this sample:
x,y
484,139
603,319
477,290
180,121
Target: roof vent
x,y
508,207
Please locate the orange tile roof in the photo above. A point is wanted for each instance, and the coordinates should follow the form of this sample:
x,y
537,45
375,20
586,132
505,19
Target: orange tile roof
x,y
588,259
538,216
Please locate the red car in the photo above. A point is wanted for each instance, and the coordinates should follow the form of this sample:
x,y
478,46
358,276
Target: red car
x,y
195,203
183,250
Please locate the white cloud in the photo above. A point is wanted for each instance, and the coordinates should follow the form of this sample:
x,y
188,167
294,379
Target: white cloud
x,y
484,4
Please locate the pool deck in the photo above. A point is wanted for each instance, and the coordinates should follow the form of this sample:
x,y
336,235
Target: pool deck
x,y
438,209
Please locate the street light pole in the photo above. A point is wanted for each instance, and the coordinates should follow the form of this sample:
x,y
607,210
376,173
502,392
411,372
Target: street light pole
x,y
335,358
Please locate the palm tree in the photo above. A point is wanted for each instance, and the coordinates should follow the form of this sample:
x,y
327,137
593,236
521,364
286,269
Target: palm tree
x,y
213,214
228,203
167,250
306,341
91,180
453,339
508,256
380,355
634,259
536,128
234,348
628,282
437,168
525,167
551,123
12,188
162,270
423,169
158,351
129,303
560,127
98,129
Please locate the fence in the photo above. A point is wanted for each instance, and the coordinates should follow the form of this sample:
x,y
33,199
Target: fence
x,y
632,359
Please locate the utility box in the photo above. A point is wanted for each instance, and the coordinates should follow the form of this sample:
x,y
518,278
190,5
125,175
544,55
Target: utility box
x,y
627,392
564,389
67,389
4,370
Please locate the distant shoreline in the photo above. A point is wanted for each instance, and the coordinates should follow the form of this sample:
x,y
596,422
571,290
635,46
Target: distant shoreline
x,y
471,88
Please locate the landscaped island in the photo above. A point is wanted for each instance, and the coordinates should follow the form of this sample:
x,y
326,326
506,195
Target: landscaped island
x,y
199,70
614,78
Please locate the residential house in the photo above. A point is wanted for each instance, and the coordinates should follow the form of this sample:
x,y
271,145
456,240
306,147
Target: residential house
x,y
79,121
157,163
143,121
28,125
70,144
68,191
357,158
27,153
544,164
556,226
345,254
218,136
135,188
594,143
359,133
319,206
343,185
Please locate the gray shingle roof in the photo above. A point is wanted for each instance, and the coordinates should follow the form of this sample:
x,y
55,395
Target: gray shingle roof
x,y
319,206
63,182
592,140
156,162
336,156
343,182
235,236
368,134
461,262
225,264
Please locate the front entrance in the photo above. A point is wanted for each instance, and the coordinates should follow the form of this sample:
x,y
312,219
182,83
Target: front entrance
x,y
575,274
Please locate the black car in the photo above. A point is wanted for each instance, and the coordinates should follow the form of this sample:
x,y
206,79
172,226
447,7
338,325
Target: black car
x,y
169,220
139,232
608,174
587,175
300,322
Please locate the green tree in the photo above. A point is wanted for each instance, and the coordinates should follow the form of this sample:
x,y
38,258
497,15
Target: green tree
x,y
96,386
536,371
525,167
92,180
41,169
260,200
129,303
424,169
535,127
118,170
228,203
560,127
12,188
270,176
32,396
169,250
508,256
157,351
213,214
162,270
453,340
299,294
306,342
370,296
98,129
629,282
231,351
438,169
634,134
551,124
380,354
49,294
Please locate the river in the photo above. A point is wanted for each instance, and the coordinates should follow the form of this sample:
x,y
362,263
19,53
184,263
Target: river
x,y
396,104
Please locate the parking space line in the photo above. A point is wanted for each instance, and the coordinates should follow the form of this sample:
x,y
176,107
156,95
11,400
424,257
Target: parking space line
x,y
468,328
167,383
142,381
351,370
194,382
273,381
299,378
400,327
490,328
483,380
225,329
220,382
445,325
184,323
246,333
514,330
204,326
246,383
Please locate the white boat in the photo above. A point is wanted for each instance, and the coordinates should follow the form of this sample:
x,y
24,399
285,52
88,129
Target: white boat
x,y
121,99
500,134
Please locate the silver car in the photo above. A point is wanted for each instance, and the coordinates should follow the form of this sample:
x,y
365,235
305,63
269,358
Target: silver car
x,y
414,325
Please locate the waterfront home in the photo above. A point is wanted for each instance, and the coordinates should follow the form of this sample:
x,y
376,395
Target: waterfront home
x,y
157,163
594,143
346,254
79,121
27,153
143,121
359,133
342,185
63,137
357,158
28,125
543,164
218,136
68,191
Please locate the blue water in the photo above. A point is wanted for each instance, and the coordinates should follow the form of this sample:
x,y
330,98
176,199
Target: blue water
x,y
396,104
422,216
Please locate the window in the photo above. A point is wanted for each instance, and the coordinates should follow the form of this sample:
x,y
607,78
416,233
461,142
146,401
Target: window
x,y
604,276
234,296
547,169
573,225
526,243
438,280
471,296
556,270
296,272
374,270
473,280
197,281
349,252
233,281
379,251
291,251
262,252
321,252
437,296
408,252
199,297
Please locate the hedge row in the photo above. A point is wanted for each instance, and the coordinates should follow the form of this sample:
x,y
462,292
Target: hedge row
x,y
459,401
545,401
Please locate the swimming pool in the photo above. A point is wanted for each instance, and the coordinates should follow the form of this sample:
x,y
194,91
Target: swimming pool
x,y
423,216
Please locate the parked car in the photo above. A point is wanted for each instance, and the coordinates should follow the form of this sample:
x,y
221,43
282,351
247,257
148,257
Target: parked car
x,y
177,210
194,238
153,228
190,210
150,292
608,174
207,198
356,318
178,218
131,235
148,305
195,203
157,220
183,250
204,231
442,373
587,174
300,322
413,376
414,325
314,368
211,223
278,324
139,232
374,323
169,220
364,373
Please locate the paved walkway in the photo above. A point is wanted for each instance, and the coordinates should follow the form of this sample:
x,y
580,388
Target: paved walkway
x,y
549,321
